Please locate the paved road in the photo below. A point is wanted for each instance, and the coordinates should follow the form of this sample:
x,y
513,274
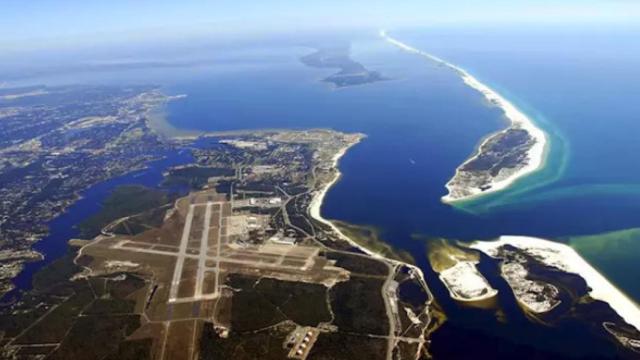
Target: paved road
x,y
218,250
204,246
182,252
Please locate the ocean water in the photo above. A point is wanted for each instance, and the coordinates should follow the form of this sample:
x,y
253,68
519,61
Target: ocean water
x,y
580,87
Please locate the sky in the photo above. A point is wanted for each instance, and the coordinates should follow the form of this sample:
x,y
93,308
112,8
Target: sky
x,y
38,23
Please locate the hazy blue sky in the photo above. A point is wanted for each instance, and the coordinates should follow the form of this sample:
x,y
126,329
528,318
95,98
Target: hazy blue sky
x,y
33,23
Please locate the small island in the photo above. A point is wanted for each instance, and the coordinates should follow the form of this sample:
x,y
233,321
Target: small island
x,y
351,72
500,160
456,268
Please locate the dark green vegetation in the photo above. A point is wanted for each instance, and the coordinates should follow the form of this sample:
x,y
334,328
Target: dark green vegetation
x,y
77,345
265,344
360,264
259,303
297,211
261,308
351,72
263,313
507,149
358,306
125,200
132,349
196,176
56,273
80,319
139,223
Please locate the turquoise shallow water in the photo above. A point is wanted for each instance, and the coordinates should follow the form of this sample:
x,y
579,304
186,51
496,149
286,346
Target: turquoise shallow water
x,y
580,87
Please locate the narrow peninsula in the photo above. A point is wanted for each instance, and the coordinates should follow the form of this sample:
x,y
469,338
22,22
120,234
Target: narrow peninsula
x,y
503,157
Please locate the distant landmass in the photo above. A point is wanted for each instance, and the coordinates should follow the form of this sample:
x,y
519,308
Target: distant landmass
x,y
351,72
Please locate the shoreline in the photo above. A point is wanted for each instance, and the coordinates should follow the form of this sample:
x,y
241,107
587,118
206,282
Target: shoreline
x,y
316,205
536,154
318,199
467,279
157,121
567,259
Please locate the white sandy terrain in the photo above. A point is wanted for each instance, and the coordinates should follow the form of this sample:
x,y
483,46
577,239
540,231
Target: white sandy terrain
x,y
536,154
567,259
116,264
465,283
318,198
537,296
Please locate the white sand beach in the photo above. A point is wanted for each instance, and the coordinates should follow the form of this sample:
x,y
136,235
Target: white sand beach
x,y
316,205
517,119
567,259
465,283
318,198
